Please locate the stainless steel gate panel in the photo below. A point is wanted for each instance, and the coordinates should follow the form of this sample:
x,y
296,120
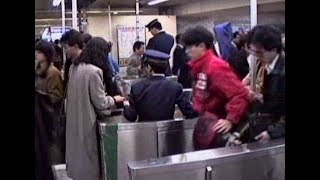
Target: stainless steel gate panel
x,y
266,160
175,137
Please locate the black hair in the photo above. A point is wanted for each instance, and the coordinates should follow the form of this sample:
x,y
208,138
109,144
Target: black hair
x,y
56,42
266,36
37,40
159,68
47,49
86,38
178,38
137,45
109,43
197,35
95,53
156,25
73,37
235,34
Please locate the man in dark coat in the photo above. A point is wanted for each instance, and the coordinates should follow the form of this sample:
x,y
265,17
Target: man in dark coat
x,y
161,41
155,97
265,43
180,67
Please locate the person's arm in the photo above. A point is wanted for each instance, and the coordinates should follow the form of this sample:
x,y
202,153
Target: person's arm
x,y
55,87
129,111
115,64
100,101
185,105
237,96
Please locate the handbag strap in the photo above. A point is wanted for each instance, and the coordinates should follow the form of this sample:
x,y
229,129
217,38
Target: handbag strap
x,y
62,103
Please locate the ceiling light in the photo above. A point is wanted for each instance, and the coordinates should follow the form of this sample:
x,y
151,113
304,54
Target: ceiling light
x,y
154,2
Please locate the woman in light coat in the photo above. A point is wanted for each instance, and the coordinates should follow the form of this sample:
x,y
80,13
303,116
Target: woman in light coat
x,y
86,100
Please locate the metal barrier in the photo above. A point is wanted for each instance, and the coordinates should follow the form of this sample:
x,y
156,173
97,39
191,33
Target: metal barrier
x,y
247,162
124,142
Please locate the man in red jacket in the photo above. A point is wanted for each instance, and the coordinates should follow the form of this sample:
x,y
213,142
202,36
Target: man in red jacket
x,y
217,90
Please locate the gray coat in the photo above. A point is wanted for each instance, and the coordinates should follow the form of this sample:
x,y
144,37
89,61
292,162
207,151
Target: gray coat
x,y
85,100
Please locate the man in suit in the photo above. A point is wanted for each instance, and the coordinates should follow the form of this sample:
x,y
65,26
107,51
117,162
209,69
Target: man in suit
x,y
161,41
155,97
180,67
265,44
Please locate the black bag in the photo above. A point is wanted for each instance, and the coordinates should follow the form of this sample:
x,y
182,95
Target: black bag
x,y
259,123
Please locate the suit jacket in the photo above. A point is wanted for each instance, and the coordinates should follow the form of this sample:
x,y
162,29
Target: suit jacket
x,y
154,98
162,42
181,68
274,99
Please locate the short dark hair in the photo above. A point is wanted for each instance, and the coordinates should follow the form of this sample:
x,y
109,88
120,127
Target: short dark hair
x,y
197,35
47,49
159,68
235,34
137,45
73,37
86,38
266,36
178,38
56,42
156,25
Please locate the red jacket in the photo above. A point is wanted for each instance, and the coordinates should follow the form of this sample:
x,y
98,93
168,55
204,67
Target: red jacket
x,y
217,89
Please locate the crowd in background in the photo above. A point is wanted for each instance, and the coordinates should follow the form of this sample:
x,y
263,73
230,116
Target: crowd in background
x,y
76,92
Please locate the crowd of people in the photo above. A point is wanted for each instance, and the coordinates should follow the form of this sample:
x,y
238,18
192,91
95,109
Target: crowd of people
x,y
248,87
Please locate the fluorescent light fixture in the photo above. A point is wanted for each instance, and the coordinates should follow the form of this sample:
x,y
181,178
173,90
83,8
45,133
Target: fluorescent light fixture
x,y
154,2
115,12
56,2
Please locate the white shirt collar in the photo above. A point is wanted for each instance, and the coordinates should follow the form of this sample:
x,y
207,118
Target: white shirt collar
x,y
234,44
156,74
180,45
271,66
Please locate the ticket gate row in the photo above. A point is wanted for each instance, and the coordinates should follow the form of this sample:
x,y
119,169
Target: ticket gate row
x,y
155,142
254,161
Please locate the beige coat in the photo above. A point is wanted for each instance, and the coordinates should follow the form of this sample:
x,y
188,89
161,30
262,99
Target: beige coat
x,y
85,100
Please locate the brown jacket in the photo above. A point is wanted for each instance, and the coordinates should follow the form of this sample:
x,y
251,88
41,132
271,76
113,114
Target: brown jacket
x,y
49,81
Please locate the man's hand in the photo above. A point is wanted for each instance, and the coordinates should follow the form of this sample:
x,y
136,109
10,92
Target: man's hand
x,y
253,96
118,98
263,137
222,125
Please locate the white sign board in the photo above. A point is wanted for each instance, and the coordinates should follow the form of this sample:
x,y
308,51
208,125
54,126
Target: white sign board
x,y
127,36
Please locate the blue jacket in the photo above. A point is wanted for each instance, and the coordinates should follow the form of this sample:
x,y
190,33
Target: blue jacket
x,y
223,33
114,64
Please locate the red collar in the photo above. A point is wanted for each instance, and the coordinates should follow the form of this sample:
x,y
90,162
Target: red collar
x,y
198,64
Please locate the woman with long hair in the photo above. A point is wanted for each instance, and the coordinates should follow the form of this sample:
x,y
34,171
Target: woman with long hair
x,y
48,82
87,102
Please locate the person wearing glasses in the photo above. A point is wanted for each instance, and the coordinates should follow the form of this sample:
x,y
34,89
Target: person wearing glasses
x,y
269,113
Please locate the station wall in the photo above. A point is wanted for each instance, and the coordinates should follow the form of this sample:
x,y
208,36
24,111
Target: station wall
x,y
98,26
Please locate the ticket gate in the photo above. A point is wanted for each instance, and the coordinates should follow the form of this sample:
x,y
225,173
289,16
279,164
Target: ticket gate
x,y
247,162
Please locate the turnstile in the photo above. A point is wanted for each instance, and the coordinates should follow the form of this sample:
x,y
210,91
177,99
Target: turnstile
x,y
254,161
124,142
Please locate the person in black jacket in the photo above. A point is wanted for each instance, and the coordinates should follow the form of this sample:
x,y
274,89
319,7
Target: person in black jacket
x,y
155,97
238,59
180,67
161,41
265,43
43,170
